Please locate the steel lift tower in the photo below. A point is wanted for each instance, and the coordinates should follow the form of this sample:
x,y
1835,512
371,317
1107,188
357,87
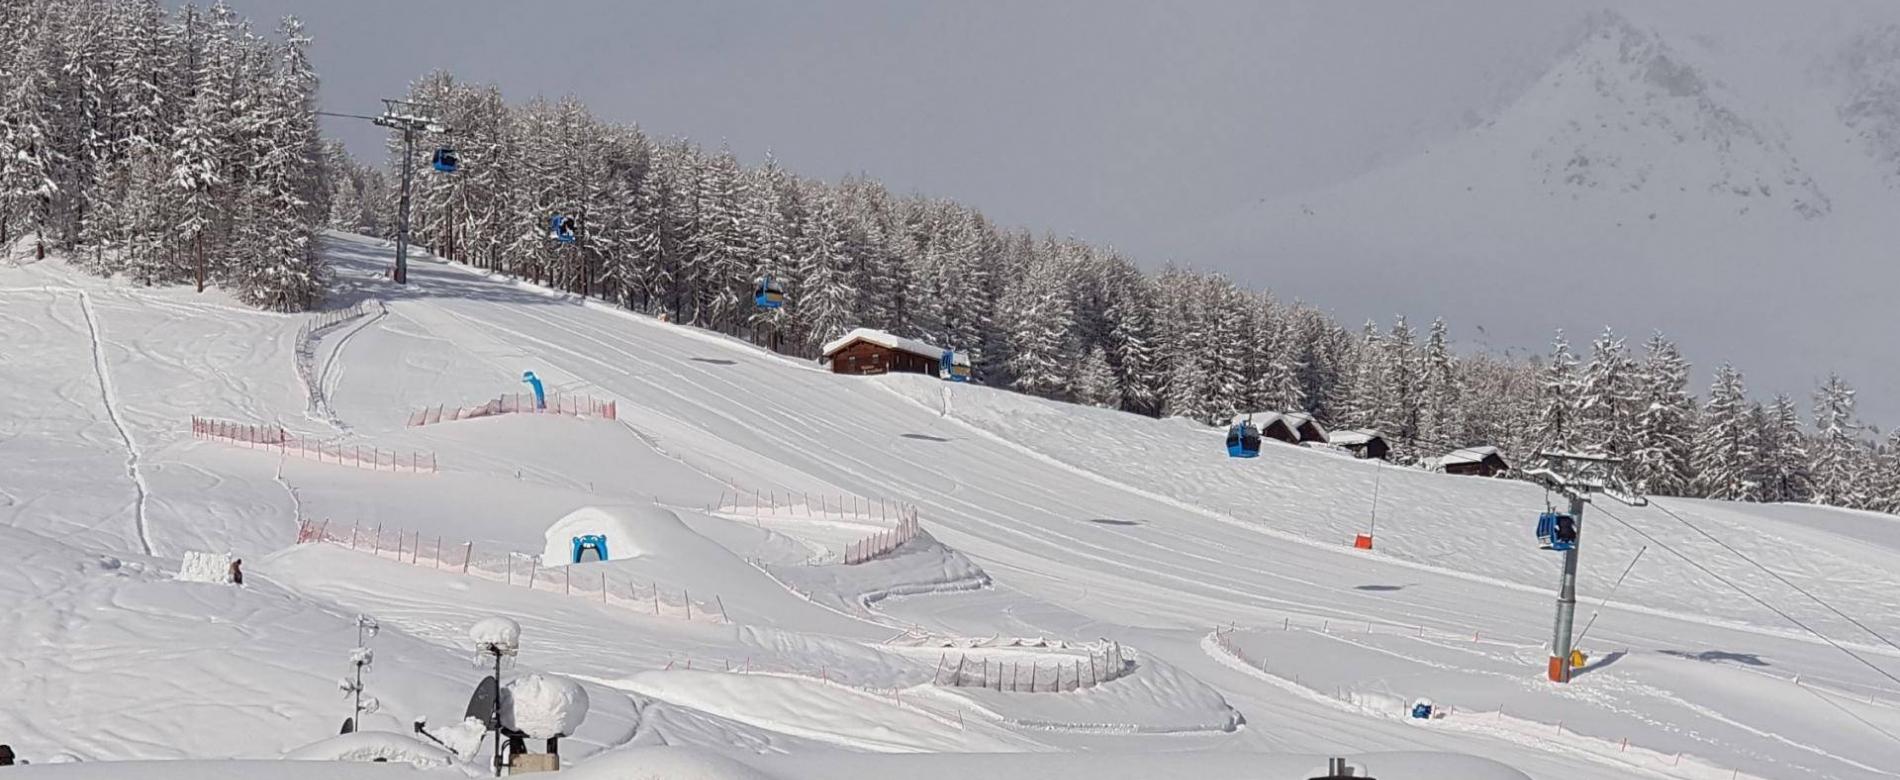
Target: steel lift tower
x,y
1577,476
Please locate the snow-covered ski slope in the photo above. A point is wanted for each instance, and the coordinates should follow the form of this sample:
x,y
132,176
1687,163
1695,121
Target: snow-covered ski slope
x,y
1055,535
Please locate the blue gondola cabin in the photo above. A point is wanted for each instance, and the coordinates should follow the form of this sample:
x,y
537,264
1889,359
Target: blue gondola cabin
x,y
954,366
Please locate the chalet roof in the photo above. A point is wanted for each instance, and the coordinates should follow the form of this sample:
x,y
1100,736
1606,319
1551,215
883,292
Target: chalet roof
x,y
1292,421
1469,455
1355,438
1264,420
885,340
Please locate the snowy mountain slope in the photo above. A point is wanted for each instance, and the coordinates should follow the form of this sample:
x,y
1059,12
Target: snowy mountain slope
x,y
1730,193
1091,525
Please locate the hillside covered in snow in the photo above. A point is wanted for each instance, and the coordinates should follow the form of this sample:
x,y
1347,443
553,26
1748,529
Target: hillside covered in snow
x,y
1083,593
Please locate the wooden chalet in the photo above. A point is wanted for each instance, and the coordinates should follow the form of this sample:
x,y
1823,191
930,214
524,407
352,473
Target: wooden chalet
x,y
1289,427
1308,429
868,351
1472,461
1363,444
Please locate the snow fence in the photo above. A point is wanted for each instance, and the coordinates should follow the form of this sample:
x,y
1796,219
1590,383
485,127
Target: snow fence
x,y
275,438
309,336
1104,663
514,569
520,403
760,505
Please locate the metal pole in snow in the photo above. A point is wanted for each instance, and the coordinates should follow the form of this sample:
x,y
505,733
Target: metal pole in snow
x,y
1560,645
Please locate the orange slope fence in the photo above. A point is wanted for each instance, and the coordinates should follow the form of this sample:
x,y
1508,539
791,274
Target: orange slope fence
x,y
520,403
275,438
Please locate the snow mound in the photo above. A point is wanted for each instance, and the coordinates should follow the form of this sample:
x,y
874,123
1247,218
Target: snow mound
x,y
665,763
545,706
366,746
499,632
921,566
628,531
206,567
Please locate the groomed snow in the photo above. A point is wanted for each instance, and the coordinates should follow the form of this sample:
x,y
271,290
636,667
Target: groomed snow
x,y
1042,521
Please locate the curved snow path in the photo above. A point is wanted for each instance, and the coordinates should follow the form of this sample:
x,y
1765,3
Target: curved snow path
x,y
110,397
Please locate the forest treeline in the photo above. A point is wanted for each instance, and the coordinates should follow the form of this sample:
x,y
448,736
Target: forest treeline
x,y
170,146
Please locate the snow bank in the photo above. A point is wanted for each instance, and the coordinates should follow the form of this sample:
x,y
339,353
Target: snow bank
x,y
545,706
922,565
665,763
1200,765
205,567
366,746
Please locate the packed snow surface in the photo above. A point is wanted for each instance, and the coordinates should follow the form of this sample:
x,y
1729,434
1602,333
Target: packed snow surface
x,y
1257,641
369,746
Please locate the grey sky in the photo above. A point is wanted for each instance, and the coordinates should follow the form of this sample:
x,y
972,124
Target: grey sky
x,y
1132,124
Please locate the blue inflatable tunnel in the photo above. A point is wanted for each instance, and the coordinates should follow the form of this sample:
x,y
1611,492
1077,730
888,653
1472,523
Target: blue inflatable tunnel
x,y
587,542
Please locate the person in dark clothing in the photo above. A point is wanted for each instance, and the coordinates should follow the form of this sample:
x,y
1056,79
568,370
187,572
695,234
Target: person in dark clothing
x,y
6,755
237,572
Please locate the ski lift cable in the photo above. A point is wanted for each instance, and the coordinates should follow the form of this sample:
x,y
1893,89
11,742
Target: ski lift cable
x,y
1751,596
1779,578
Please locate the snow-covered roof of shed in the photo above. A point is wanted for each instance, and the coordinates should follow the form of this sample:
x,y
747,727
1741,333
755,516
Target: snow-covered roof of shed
x,y
883,339
1470,455
1262,419
1354,438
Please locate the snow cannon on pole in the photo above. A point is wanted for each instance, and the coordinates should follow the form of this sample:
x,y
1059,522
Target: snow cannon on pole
x,y
540,396
496,638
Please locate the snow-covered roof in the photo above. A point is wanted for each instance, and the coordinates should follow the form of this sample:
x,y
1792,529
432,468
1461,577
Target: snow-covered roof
x,y
1354,438
1262,419
883,339
1469,455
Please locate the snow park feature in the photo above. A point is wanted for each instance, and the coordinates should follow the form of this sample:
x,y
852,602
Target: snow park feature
x,y
205,567
517,403
534,383
725,634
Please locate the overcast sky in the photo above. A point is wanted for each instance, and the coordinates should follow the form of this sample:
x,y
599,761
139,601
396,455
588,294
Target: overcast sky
x,y
1122,123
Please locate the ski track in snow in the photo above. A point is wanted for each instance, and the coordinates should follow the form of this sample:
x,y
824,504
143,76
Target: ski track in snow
x,y
110,398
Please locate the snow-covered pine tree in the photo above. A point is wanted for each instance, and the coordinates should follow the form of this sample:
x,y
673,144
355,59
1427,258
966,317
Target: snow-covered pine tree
x,y
1724,446
1838,449
1558,394
1442,396
1781,458
1280,385
1095,382
827,295
274,263
1129,310
1608,404
1665,426
1040,317
1367,393
1398,415
27,155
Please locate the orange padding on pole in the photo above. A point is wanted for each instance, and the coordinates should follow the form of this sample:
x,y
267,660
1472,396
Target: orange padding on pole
x,y
1559,669
1362,541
